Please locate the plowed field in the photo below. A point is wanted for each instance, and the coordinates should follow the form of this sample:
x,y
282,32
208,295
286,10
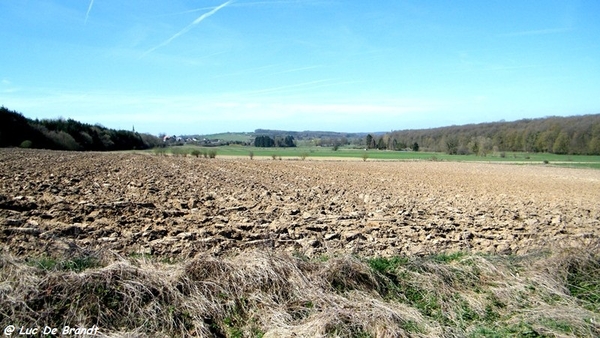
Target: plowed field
x,y
52,202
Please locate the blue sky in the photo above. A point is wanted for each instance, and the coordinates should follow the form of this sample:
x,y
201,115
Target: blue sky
x,y
194,67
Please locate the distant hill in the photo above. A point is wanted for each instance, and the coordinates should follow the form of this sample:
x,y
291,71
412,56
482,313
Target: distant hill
x,y
559,135
307,134
60,134
321,138
318,138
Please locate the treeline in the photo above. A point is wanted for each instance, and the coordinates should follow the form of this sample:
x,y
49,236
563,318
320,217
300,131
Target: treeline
x,y
388,142
60,134
308,134
578,135
265,141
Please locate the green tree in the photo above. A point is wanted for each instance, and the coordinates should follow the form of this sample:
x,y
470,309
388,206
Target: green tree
x,y
264,141
530,141
474,146
484,146
545,142
415,146
369,141
450,144
289,141
594,146
561,145
26,144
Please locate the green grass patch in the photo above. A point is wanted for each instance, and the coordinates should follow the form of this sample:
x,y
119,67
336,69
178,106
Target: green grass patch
x,y
76,264
386,265
558,325
447,258
583,282
586,165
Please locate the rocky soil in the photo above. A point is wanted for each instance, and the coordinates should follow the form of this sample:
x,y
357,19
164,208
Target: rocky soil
x,y
53,202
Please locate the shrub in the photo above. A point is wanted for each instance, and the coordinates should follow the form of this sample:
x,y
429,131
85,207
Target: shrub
x,y
274,156
251,154
365,156
303,156
503,154
212,154
462,151
196,152
26,144
386,265
205,153
546,162
63,140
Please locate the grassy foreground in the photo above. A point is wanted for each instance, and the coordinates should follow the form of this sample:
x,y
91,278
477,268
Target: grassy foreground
x,y
266,294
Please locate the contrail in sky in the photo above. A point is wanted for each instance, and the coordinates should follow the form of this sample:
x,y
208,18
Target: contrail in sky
x,y
87,14
186,29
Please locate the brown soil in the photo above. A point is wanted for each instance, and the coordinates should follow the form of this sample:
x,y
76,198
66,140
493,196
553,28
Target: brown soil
x,y
53,202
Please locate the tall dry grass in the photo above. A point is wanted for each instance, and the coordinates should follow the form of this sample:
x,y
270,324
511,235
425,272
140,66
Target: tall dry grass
x,y
267,294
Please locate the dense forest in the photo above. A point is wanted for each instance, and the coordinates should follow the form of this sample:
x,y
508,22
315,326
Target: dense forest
x,y
60,134
558,135
266,141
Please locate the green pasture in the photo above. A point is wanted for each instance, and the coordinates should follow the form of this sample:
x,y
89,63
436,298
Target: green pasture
x,y
575,161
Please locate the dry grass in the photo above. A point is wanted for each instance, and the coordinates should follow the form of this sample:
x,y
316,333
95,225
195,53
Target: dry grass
x,y
266,294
